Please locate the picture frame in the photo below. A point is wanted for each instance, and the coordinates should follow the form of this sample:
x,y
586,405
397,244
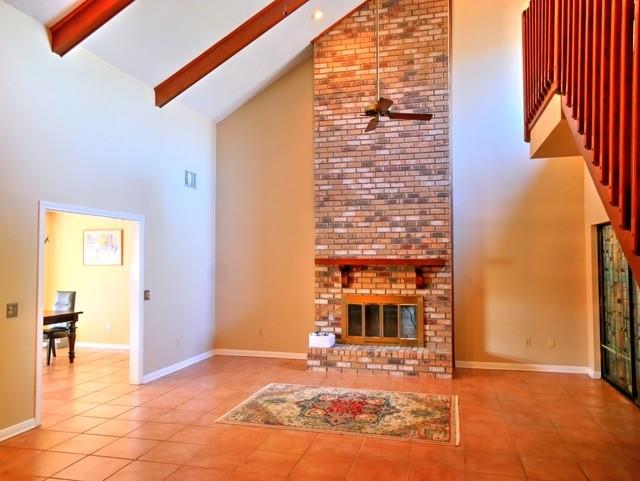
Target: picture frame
x,y
102,247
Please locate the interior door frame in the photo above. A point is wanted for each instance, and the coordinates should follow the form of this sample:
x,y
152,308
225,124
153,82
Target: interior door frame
x,y
136,308
633,325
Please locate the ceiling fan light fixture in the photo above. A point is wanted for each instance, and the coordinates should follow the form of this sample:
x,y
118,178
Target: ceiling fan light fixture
x,y
371,109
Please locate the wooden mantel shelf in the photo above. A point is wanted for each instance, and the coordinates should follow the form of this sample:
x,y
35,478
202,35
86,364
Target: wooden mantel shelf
x,y
379,261
347,265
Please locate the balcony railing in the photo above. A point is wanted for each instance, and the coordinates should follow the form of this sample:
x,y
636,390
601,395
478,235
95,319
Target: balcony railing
x,y
588,51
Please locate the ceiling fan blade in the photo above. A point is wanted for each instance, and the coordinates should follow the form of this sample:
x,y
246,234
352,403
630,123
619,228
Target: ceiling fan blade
x,y
409,116
373,123
383,105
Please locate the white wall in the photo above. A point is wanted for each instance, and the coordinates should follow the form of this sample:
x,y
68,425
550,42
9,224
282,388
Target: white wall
x,y
519,238
594,214
78,131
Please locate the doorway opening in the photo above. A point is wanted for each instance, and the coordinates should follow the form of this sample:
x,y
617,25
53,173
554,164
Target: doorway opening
x,y
619,316
90,265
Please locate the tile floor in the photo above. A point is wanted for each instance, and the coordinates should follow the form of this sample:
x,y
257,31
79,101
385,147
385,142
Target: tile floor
x,y
515,426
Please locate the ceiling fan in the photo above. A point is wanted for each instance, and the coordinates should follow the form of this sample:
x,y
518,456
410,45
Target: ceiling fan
x,y
381,108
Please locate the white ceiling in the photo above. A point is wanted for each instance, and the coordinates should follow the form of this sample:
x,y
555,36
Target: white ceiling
x,y
151,39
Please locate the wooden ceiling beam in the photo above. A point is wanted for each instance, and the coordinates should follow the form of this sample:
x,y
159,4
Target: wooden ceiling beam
x,y
82,21
226,48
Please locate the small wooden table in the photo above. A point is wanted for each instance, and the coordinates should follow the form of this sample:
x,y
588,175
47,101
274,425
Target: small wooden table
x,y
57,317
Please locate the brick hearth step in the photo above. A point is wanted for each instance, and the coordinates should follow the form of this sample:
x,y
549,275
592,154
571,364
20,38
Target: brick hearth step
x,y
381,360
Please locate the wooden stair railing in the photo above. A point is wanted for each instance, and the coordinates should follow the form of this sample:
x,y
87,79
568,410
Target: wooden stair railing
x,y
588,51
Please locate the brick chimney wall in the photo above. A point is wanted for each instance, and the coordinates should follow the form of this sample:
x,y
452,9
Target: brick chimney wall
x,y
387,193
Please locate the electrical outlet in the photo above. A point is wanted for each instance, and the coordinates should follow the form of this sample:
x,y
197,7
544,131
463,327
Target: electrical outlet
x,y
527,341
551,342
12,310
107,327
260,333
147,295
178,341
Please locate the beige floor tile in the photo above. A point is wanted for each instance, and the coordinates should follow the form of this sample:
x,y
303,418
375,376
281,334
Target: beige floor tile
x,y
170,452
144,471
109,411
128,448
84,444
115,427
191,473
158,431
38,439
49,463
93,468
77,424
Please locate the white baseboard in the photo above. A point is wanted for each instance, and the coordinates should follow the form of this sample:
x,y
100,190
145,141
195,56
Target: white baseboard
x,y
99,345
17,429
249,353
593,373
514,366
175,367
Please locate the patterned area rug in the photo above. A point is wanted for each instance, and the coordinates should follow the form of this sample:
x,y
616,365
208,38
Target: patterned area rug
x,y
429,418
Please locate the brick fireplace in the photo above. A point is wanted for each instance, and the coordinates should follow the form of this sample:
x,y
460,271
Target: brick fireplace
x,y
383,199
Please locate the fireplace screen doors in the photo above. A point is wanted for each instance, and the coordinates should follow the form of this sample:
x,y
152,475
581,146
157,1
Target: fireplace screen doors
x,y
386,320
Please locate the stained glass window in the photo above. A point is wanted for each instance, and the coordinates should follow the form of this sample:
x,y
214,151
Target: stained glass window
x,y
616,299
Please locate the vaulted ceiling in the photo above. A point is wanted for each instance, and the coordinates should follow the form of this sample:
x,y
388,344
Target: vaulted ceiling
x,y
152,39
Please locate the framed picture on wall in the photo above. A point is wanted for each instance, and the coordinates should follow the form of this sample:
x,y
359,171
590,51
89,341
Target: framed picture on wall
x,y
103,247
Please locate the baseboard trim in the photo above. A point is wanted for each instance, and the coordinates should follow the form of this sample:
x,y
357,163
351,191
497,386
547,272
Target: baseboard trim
x,y
16,429
515,366
594,373
249,353
175,367
100,345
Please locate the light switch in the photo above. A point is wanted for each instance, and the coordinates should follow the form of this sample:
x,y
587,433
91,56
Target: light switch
x,y
190,179
12,310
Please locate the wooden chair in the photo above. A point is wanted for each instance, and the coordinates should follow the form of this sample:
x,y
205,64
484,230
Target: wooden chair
x,y
65,302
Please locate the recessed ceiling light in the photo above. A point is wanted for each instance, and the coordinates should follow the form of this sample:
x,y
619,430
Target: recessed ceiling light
x,y
317,14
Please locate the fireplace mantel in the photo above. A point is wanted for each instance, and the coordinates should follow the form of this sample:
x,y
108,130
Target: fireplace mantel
x,y
352,264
